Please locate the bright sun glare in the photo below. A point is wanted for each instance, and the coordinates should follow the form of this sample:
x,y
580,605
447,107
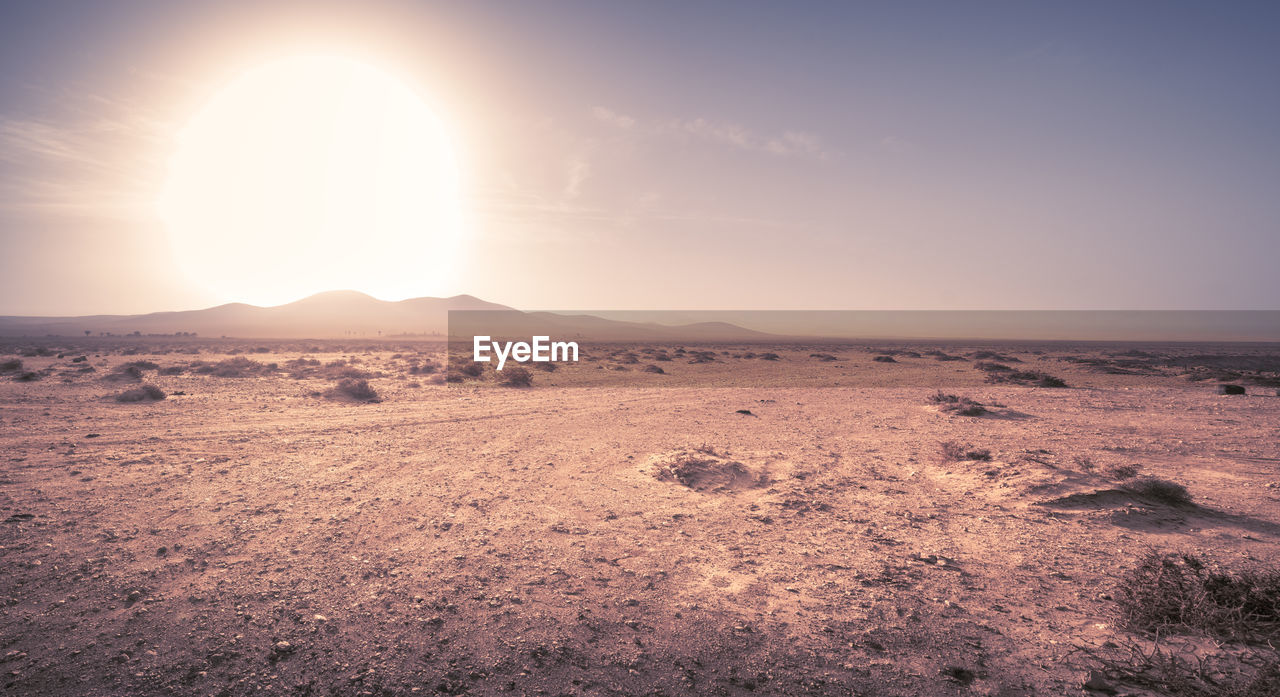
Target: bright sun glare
x,y
311,174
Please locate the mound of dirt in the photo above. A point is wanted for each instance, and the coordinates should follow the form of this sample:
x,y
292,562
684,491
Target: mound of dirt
x,y
705,469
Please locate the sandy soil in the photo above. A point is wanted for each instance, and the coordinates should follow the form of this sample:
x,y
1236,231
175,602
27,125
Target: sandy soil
x,y
254,536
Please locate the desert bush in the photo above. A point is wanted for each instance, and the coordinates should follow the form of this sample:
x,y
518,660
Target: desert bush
x,y
144,393
237,367
989,367
353,389
998,373
651,368
885,359
705,469
1181,592
824,357
29,376
425,368
142,365
547,367
125,372
11,366
770,357
1161,490
956,452
1123,471
993,356
1177,672
517,377
702,357
953,404
473,369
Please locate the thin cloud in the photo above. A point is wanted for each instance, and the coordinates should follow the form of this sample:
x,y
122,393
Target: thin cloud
x,y
105,164
789,143
613,118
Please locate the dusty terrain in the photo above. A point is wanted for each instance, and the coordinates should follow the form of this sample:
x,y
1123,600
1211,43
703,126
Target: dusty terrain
x,y
256,532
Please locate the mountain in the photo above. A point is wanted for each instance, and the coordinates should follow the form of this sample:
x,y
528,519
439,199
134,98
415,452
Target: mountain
x,y
346,313
324,315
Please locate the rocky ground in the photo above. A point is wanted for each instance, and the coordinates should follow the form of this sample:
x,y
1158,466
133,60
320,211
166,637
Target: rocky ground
x,y
731,525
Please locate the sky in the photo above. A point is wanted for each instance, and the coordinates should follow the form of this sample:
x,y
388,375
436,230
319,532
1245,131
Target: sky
x,y
664,155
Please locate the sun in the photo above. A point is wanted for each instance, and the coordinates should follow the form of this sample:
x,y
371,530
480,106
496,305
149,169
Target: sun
x,y
309,174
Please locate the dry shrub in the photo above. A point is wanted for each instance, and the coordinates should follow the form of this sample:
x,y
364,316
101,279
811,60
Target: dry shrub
x,y
993,356
353,389
11,366
1179,672
473,369
144,393
125,372
704,469
238,367
885,359
1161,490
517,377
1180,592
953,404
956,452
142,365
424,368
1123,471
999,373
651,368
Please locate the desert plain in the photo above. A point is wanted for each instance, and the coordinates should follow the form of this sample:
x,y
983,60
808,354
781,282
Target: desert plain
x,y
363,517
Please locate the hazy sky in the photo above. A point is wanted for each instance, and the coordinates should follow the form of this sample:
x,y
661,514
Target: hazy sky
x,y
654,155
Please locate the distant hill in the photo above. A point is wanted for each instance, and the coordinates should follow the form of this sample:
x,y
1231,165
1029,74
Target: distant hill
x,y
346,313
324,315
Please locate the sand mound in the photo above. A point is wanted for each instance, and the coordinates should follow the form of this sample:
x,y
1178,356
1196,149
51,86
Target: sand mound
x,y
705,469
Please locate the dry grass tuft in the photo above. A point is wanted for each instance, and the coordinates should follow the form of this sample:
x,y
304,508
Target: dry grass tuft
x,y
238,367
1179,672
962,406
1161,490
956,452
516,376
144,393
353,389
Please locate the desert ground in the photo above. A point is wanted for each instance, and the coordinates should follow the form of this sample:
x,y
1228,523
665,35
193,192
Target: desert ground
x,y
825,519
